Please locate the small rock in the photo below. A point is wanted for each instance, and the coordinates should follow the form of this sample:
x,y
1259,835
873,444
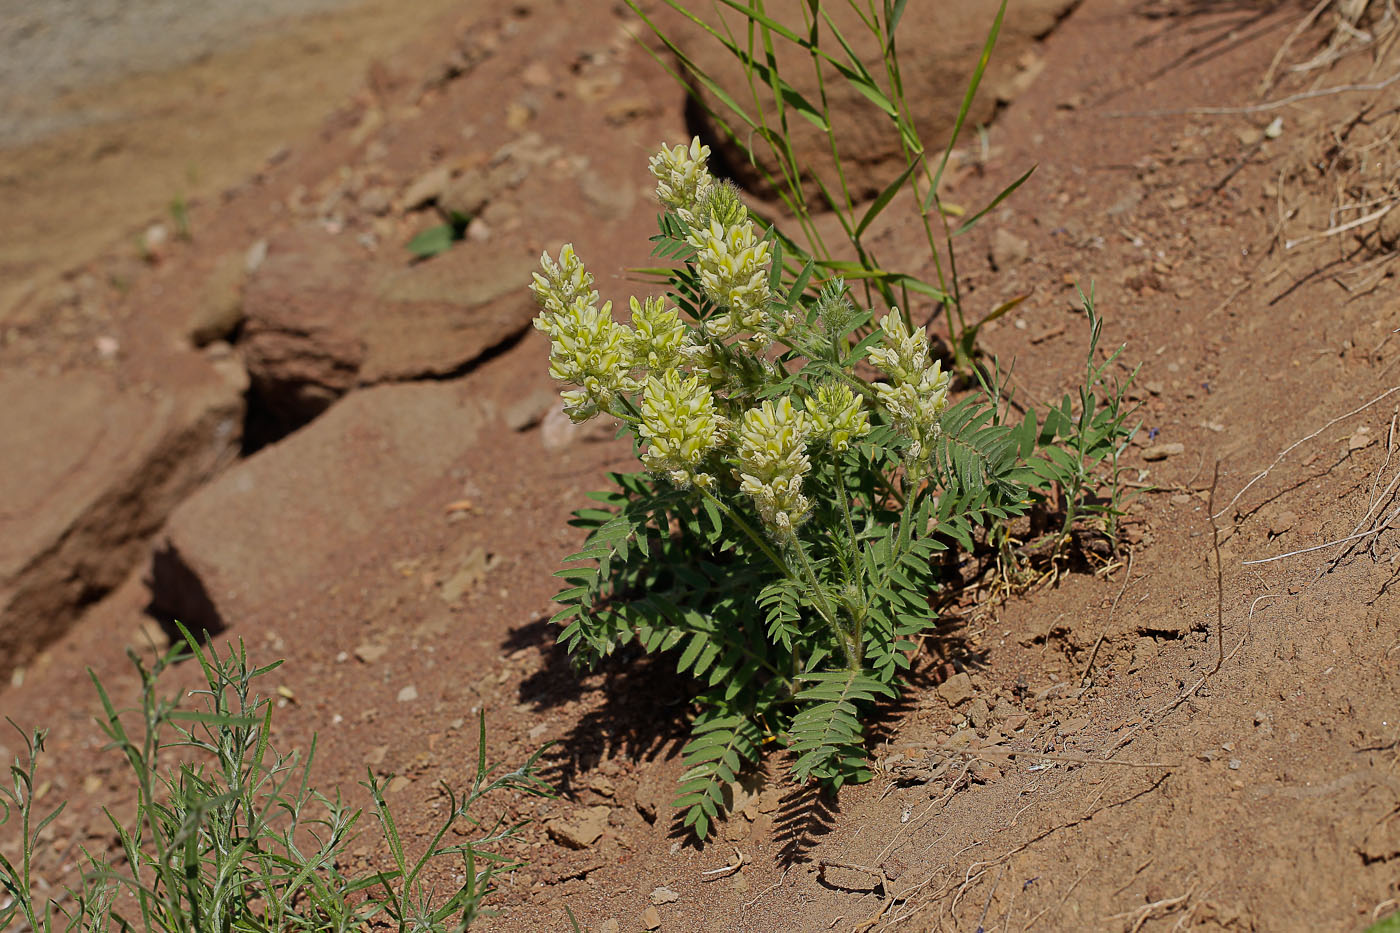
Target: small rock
x,y
1362,439
1074,725
1282,521
408,694
651,918
255,256
610,926
427,187
602,786
376,755
582,831
956,689
398,784
219,309
741,883
529,411
1234,764
1008,249
376,201
369,653
979,713
558,432
467,576
1163,451
154,241
664,895
478,231
1016,722
963,738
769,800
984,772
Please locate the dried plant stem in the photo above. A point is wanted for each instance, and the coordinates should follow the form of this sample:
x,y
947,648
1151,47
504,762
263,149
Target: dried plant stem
x,y
1293,446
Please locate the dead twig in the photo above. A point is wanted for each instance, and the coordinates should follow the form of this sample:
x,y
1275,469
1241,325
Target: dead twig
x,y
1268,80
1293,446
1319,547
1068,891
1144,913
1077,759
1084,678
878,873
1167,708
1219,577
1260,108
770,889
1342,228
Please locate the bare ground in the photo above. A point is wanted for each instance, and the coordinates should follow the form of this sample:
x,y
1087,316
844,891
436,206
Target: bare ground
x,y
1171,744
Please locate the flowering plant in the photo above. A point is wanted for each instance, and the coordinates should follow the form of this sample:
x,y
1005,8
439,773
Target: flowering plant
x,y
781,539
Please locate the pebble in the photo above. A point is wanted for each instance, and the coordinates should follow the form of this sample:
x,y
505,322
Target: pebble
x,y
1361,439
1008,249
582,831
1163,451
651,918
427,187
956,689
408,694
664,895
369,653
979,713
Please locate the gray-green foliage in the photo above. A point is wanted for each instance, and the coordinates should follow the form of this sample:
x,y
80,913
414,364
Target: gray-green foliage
x,y
788,563
785,556
228,835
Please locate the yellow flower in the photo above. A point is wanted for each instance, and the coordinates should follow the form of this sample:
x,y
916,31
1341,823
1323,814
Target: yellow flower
x,y
838,416
734,267
680,426
563,283
587,348
917,392
772,457
682,178
657,335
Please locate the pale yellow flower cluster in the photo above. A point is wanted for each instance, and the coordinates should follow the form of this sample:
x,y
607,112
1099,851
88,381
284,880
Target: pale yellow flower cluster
x,y
734,267
733,261
838,416
589,349
682,178
917,392
657,335
772,461
681,427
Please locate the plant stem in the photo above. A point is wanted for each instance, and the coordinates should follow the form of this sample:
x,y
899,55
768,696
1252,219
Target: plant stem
x,y
850,647
754,536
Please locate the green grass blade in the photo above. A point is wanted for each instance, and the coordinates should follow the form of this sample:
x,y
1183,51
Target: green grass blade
x,y
1005,192
967,102
885,196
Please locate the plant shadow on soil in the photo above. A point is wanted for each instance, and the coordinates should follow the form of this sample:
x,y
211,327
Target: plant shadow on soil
x,y
642,719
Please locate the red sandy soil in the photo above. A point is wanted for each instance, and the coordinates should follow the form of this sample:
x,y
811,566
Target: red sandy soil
x,y
1177,764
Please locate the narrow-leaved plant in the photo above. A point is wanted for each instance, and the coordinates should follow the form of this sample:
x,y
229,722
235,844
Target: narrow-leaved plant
x,y
228,835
